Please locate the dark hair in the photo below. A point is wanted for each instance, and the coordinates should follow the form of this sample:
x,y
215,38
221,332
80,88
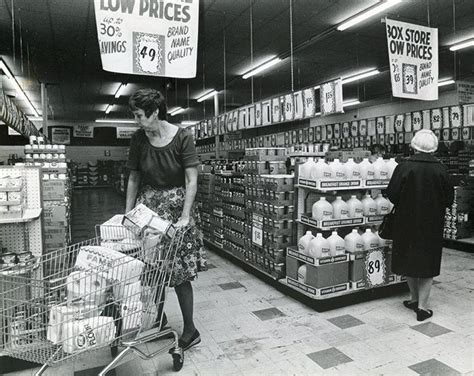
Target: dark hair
x,y
148,100
377,148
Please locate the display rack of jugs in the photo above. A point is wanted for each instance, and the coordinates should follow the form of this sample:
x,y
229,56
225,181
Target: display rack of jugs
x,y
349,273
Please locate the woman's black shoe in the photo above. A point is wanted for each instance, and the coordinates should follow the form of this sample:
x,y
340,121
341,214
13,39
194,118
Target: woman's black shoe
x,y
422,315
193,341
410,305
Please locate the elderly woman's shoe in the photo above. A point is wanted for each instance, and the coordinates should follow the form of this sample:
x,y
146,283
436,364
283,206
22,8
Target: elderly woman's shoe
x,y
411,305
422,315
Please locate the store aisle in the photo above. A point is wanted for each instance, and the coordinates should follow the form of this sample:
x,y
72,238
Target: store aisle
x,y
249,328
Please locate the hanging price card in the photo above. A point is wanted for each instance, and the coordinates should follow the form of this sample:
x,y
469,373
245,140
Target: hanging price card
x,y
329,132
235,120
436,118
466,132
298,103
355,128
266,112
416,121
276,110
455,116
380,125
251,116
407,126
258,114
371,127
375,267
318,133
337,131
446,118
346,130
426,119
309,102
311,134
399,119
455,134
289,107
363,127
243,118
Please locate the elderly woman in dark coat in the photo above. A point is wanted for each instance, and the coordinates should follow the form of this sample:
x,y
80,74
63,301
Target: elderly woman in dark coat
x,y
420,190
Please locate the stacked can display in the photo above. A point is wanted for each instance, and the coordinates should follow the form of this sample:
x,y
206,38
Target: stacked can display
x,y
205,201
458,223
269,208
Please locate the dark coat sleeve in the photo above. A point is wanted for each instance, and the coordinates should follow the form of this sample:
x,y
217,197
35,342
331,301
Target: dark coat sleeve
x,y
395,185
448,189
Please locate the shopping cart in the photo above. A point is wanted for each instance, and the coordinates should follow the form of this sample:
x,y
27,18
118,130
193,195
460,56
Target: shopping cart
x,y
106,291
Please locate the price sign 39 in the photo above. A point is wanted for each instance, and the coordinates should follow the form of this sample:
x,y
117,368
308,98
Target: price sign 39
x,y
375,267
149,53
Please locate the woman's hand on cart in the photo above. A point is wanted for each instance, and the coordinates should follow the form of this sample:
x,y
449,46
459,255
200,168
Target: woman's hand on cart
x,y
182,222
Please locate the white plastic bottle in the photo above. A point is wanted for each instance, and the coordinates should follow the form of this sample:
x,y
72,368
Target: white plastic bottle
x,y
336,244
366,169
352,170
322,210
337,169
302,270
370,240
353,242
383,205
382,242
380,169
370,206
391,165
303,243
306,168
321,170
318,247
356,208
340,208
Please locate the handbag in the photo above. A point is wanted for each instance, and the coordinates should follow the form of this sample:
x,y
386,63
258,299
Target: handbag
x,y
387,227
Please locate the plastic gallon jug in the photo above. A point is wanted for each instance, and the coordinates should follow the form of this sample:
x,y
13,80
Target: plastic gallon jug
x,y
366,169
303,243
353,242
382,242
380,169
336,244
383,205
318,247
302,274
356,209
370,240
306,168
391,165
337,169
352,169
340,208
322,210
370,206
321,170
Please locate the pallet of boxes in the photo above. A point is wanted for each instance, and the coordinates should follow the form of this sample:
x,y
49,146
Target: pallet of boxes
x,y
269,208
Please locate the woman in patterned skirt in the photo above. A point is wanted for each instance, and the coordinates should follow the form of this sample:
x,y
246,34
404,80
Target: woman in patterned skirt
x,y
163,176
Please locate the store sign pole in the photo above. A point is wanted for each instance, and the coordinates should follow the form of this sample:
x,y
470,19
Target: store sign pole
x,y
148,37
330,94
413,60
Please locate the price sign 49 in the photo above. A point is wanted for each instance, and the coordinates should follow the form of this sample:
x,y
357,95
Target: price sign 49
x,y
148,53
375,267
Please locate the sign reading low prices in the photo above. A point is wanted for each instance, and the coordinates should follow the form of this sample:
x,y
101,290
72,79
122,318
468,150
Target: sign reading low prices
x,y
413,57
148,37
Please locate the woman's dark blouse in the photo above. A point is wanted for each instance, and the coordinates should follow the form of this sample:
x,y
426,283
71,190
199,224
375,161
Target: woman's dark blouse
x,y
162,167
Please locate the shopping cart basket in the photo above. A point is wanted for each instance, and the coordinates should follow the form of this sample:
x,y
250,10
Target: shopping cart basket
x,y
106,291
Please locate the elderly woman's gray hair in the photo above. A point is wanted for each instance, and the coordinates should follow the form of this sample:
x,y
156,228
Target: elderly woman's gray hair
x,y
425,141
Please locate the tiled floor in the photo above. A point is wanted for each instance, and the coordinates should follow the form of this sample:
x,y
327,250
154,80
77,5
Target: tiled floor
x,y
249,328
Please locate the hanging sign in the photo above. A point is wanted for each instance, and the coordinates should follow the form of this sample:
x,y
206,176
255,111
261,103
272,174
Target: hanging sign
x,y
416,121
266,112
148,37
407,126
222,122
346,130
258,114
289,107
465,91
380,125
355,128
375,267
413,60
276,110
243,118
399,120
363,127
298,102
126,132
235,120
330,94
426,119
309,102
61,136
251,116
85,131
371,127
455,116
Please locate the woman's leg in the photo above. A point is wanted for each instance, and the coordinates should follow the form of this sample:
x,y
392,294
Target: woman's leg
x,y
184,291
413,285
424,289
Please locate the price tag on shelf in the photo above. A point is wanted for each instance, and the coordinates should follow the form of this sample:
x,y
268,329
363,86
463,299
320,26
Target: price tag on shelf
x,y
375,267
257,234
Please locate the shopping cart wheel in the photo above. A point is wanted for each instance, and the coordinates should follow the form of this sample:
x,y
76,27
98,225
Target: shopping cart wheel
x,y
113,351
178,361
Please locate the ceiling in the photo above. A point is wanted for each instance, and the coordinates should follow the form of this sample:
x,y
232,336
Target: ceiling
x,y
56,44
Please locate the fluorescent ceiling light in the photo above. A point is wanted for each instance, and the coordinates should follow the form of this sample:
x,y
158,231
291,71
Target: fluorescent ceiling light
x,y
120,90
207,95
372,11
317,87
109,108
446,82
189,122
360,76
176,111
317,114
125,121
17,86
351,102
261,68
464,44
